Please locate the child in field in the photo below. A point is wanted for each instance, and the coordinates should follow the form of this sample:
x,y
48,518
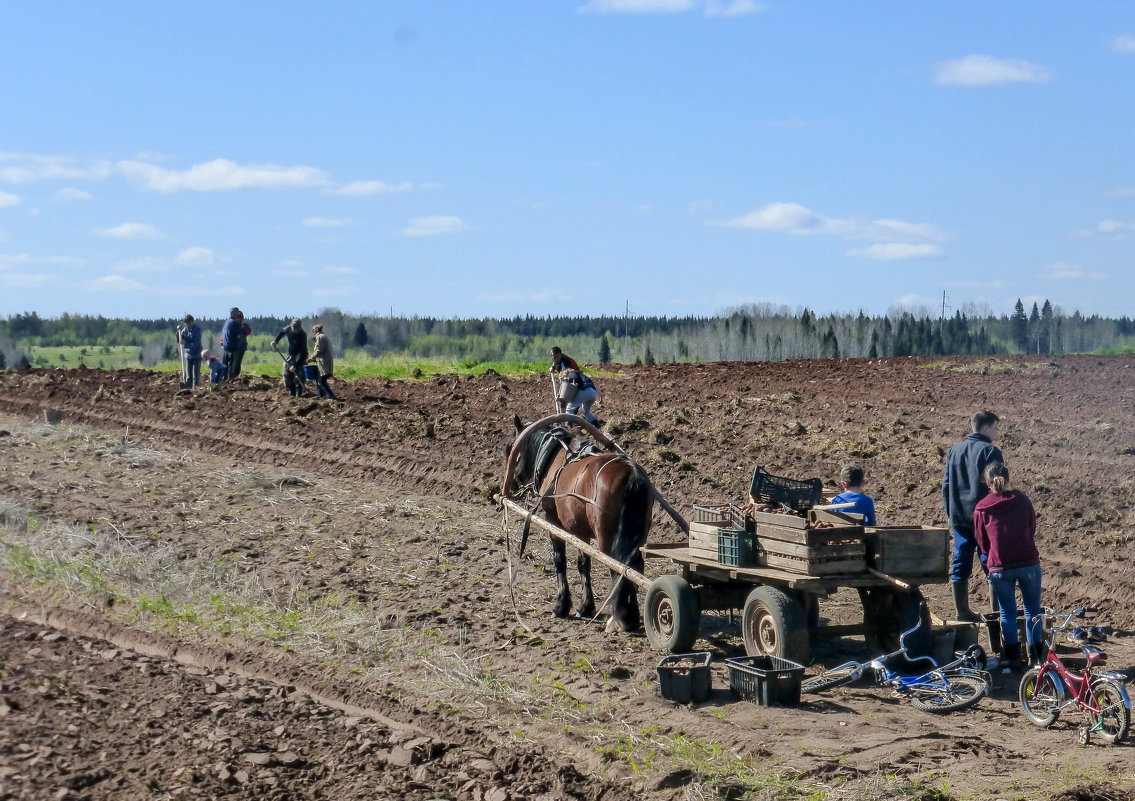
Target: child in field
x,y
852,478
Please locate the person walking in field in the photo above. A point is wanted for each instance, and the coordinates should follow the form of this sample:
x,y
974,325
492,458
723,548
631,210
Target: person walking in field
x,y
189,338
1004,525
234,341
297,356
963,486
586,393
324,360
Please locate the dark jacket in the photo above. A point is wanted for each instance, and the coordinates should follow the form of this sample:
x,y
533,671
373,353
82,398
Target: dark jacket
x,y
297,344
962,484
191,341
233,337
1004,525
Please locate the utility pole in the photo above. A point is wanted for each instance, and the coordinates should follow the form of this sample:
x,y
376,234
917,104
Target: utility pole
x,y
627,330
944,306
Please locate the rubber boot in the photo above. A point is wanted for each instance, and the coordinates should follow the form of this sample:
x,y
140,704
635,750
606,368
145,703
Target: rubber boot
x,y
994,604
1012,662
1035,655
961,601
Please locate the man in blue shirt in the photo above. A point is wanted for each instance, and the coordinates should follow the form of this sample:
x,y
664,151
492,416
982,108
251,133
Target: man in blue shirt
x,y
189,338
852,480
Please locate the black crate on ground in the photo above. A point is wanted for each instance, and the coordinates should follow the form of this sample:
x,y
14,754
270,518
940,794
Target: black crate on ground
x,y
685,678
737,548
768,680
791,492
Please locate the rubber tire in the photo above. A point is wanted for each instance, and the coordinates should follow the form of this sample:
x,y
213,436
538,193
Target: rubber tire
x,y
1042,710
965,691
1118,720
888,612
830,679
773,624
672,614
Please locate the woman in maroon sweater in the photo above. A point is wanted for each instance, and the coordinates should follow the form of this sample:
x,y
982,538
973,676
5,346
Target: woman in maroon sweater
x,y
1004,524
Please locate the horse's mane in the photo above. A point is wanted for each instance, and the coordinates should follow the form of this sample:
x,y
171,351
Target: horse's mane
x,y
539,452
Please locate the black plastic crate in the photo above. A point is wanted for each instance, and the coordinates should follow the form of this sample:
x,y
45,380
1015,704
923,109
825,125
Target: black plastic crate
x,y
768,680
685,678
737,548
793,493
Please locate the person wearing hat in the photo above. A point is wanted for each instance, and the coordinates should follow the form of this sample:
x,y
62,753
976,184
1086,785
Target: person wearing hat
x,y
324,359
234,342
297,356
189,337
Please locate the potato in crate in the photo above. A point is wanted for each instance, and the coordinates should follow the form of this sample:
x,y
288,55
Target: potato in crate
x,y
685,678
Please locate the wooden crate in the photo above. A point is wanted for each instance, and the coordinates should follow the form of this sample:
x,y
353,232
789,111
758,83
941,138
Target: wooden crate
x,y
792,543
908,551
703,538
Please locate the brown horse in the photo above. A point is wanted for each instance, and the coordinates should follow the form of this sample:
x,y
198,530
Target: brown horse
x,y
592,495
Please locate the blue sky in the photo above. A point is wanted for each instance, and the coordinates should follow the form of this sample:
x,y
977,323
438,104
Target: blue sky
x,y
543,157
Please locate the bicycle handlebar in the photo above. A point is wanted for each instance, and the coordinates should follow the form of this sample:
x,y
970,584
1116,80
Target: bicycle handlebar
x,y
1052,614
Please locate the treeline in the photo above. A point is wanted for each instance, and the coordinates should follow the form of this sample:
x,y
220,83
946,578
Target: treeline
x,y
747,333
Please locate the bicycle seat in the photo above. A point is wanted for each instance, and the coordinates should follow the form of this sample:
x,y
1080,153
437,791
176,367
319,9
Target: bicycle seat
x,y
1093,654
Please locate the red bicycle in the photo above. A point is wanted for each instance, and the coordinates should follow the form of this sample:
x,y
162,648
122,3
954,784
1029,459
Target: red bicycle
x,y
1049,688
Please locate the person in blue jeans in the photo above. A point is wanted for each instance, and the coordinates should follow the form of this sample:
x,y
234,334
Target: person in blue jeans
x,y
852,477
189,337
587,394
1004,524
962,488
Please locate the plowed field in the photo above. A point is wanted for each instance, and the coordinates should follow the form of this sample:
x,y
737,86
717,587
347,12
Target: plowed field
x,y
235,593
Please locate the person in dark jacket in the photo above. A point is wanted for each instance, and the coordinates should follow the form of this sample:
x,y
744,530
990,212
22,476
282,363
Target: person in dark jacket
x,y
234,342
297,356
963,486
586,393
189,337
1004,524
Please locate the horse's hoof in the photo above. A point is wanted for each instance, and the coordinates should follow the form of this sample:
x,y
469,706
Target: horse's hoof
x,y
613,626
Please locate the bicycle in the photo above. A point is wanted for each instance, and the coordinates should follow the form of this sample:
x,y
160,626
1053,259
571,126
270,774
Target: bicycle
x,y
1051,687
943,688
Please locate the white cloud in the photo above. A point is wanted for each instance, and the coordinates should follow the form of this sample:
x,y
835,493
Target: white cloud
x,y
710,8
1063,271
897,239
26,280
221,175
1107,229
435,226
897,251
291,271
7,200
978,70
325,222
148,264
1123,191
20,259
197,256
788,217
131,231
26,168
360,188
114,283
70,193
1123,44
333,269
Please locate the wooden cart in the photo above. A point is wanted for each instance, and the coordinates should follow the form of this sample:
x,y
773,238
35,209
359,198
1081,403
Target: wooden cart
x,y
780,607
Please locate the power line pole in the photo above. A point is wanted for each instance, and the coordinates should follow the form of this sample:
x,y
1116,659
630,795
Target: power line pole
x,y
944,307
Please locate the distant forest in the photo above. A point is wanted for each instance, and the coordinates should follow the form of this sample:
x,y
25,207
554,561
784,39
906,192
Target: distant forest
x,y
748,333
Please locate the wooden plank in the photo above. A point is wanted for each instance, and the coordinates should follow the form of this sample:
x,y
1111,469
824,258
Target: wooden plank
x,y
811,568
809,536
818,553
640,581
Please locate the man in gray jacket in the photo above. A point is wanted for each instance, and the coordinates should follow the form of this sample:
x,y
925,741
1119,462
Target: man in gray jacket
x,y
962,487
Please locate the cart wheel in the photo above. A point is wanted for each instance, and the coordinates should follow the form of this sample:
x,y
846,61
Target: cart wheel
x,y
672,614
773,624
1083,736
888,612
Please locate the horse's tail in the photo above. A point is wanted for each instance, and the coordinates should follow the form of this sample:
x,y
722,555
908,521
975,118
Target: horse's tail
x,y
634,518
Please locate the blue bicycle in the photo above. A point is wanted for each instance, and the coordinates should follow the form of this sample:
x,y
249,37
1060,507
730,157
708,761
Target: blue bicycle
x,y
942,688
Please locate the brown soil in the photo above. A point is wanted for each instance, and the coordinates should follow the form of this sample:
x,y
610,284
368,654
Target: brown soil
x,y
408,674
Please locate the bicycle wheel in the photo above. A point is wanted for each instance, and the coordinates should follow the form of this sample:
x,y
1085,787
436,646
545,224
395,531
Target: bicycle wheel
x,y
957,692
1114,716
830,679
1041,699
